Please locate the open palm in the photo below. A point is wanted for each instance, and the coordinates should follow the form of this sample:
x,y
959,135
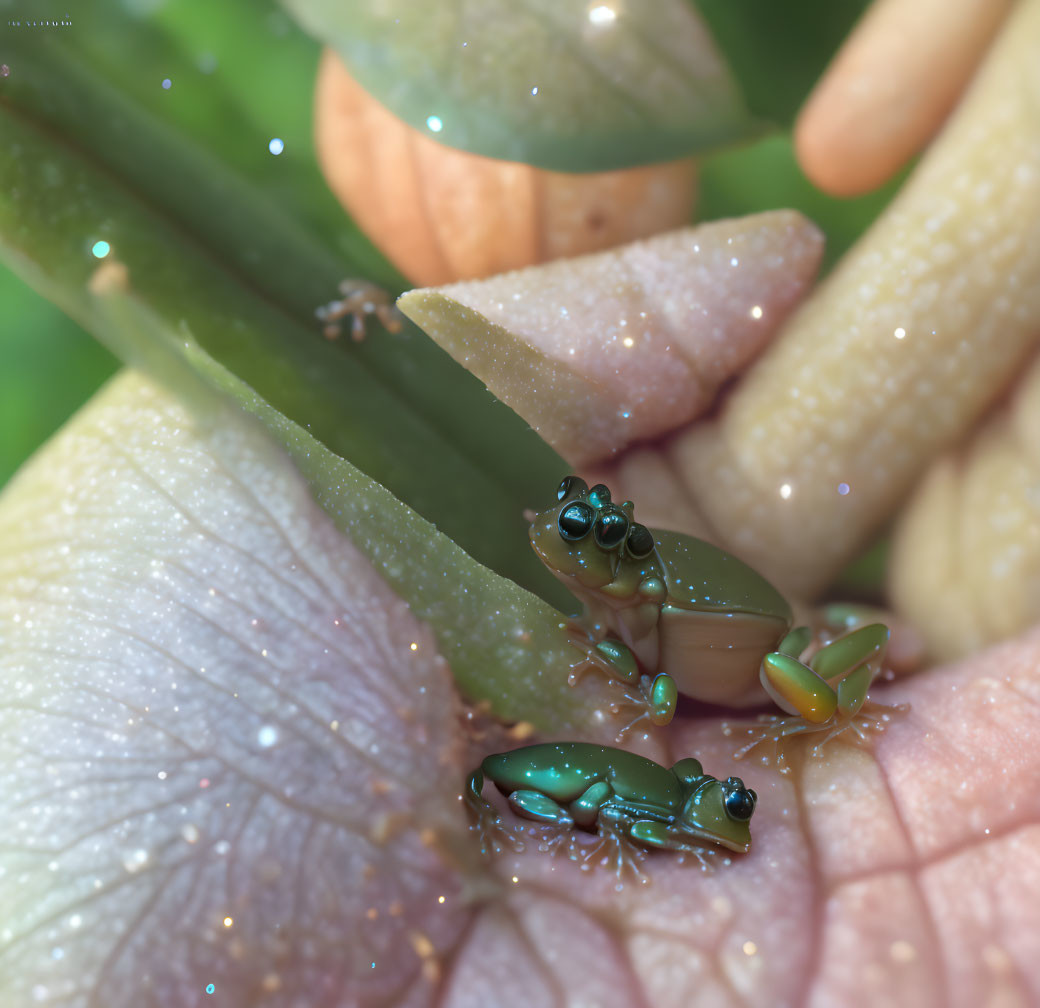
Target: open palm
x,y
232,766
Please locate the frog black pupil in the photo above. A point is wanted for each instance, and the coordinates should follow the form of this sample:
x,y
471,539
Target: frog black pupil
x,y
740,804
575,521
640,541
611,527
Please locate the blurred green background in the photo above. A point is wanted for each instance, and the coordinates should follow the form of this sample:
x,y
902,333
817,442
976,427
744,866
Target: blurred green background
x,y
242,72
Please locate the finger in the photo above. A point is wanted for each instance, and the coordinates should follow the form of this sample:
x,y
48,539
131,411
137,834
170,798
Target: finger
x,y
965,559
889,88
897,353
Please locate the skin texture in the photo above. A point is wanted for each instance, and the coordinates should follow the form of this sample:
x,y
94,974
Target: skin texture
x,y
138,551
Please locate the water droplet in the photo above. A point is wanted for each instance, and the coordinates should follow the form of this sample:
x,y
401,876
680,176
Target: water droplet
x,y
135,860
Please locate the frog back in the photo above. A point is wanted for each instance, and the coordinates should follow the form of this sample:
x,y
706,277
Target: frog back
x,y
565,770
719,619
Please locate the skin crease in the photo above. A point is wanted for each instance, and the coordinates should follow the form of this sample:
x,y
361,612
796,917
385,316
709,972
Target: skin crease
x,y
919,862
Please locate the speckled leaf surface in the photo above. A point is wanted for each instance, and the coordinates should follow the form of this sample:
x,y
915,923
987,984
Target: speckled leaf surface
x,y
504,645
569,86
223,738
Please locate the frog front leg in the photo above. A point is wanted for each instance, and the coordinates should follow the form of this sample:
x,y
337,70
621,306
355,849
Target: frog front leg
x,y
826,696
636,626
651,698
663,836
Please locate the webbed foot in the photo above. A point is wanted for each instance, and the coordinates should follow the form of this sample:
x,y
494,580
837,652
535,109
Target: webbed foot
x,y
610,658
495,836
615,850
777,730
654,700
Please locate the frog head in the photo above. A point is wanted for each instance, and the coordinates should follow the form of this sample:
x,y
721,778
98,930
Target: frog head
x,y
585,536
720,812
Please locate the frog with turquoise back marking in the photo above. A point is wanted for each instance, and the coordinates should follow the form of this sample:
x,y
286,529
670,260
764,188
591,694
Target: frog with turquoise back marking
x,y
693,619
625,798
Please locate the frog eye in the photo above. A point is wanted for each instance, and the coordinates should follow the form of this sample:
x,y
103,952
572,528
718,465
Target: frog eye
x,y
740,802
640,541
599,495
571,487
575,521
611,527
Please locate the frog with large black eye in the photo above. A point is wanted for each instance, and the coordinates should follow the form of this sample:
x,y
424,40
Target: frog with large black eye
x,y
695,620
625,798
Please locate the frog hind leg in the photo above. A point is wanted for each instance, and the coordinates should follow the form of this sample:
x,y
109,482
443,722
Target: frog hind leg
x,y
828,695
495,836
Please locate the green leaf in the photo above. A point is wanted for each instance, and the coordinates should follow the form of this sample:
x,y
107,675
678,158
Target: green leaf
x,y
566,85
777,51
84,160
50,368
499,640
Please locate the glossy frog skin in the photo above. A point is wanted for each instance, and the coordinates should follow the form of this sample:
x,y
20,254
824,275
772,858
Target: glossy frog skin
x,y
703,622
623,797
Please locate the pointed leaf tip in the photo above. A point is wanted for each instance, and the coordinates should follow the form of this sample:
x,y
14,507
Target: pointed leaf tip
x,y
605,350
